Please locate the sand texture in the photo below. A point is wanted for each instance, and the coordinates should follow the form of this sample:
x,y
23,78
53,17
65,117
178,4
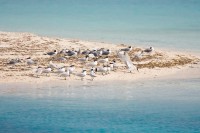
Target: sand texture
x,y
157,64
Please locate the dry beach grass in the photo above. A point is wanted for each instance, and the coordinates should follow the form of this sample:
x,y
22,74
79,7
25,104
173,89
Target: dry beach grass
x,y
23,45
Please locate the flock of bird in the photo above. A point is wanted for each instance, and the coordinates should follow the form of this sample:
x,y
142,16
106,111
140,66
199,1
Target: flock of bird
x,y
99,62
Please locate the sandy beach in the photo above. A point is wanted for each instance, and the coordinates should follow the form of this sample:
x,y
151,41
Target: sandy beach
x,y
162,63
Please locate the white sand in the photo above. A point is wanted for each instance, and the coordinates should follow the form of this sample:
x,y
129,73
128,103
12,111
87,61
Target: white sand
x,y
23,45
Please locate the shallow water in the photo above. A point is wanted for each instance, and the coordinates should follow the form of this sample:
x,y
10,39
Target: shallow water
x,y
144,106
171,23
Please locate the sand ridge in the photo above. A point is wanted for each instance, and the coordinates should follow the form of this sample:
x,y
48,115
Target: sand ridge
x,y
23,45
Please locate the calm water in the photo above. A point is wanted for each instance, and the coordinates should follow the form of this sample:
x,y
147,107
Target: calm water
x,y
168,23
143,107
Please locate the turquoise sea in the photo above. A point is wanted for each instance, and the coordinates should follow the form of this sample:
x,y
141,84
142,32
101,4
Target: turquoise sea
x,y
169,106
160,106
158,23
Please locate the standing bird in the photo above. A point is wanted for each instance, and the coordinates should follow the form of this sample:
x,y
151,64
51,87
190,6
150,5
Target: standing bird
x,y
92,64
105,60
86,52
138,55
127,49
61,70
149,50
65,74
82,75
102,70
92,74
71,69
29,61
52,53
14,61
38,71
126,59
113,65
71,53
95,53
53,66
83,60
47,70
61,59
106,52
108,69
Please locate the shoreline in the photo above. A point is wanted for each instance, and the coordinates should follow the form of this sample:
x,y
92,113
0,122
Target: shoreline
x,y
35,46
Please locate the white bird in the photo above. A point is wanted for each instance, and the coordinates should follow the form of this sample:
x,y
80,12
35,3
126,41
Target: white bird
x,y
53,66
126,59
65,74
52,53
103,70
96,53
86,52
91,55
113,65
71,69
71,53
149,50
105,60
106,52
108,69
14,61
92,74
83,60
127,49
82,75
92,64
61,59
47,70
61,70
38,71
138,55
29,61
